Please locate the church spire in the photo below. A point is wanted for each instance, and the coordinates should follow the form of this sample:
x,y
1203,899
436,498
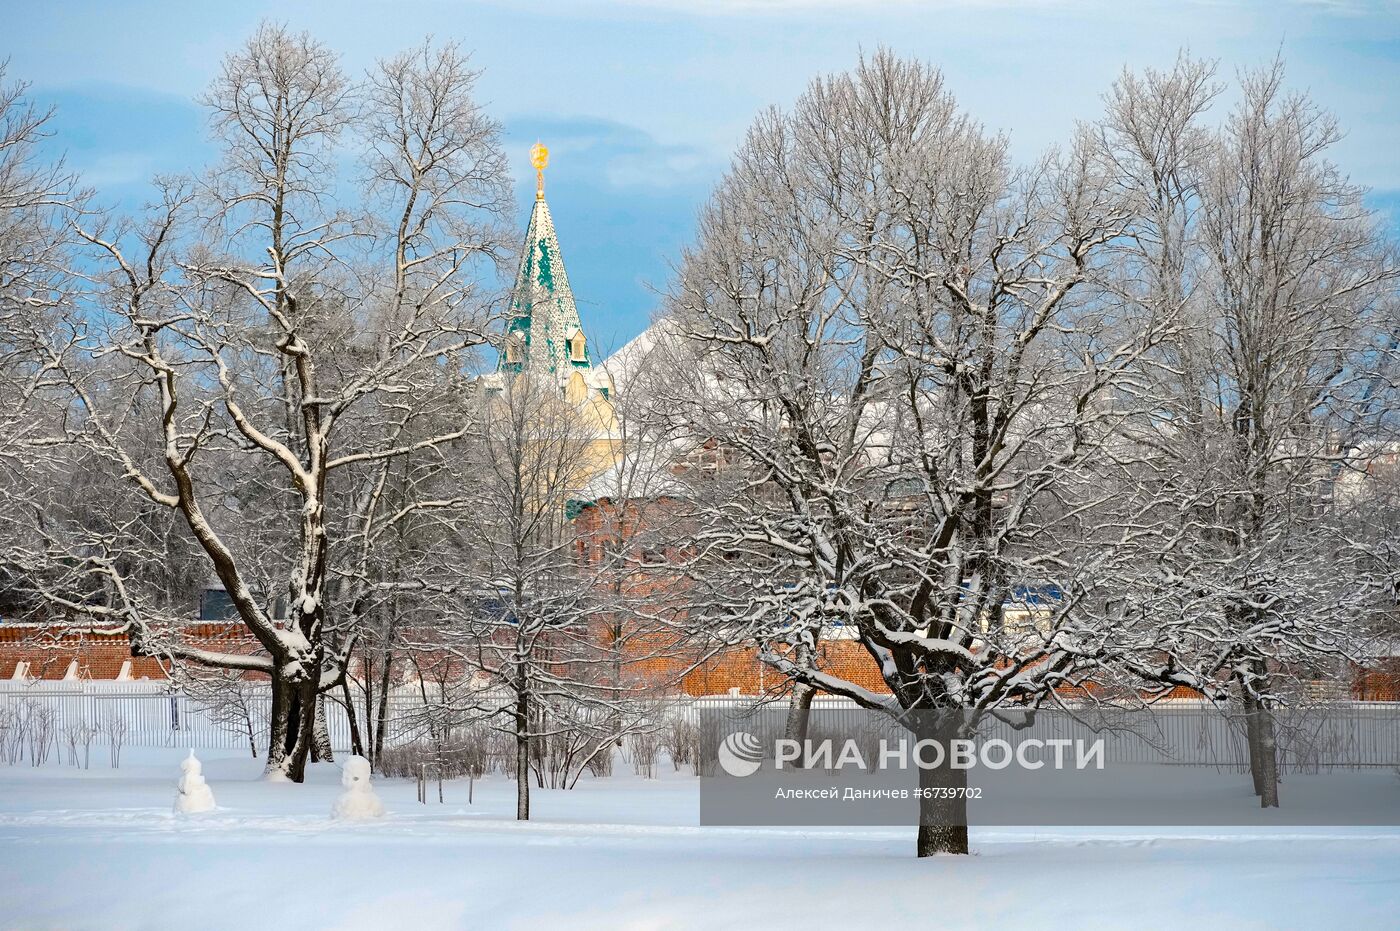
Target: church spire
x,y
539,157
544,332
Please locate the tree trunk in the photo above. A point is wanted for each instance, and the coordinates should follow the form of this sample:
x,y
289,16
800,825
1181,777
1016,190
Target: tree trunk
x,y
303,731
1251,742
368,662
1268,756
381,722
1263,751
291,728
1262,743
277,727
252,738
357,746
522,756
942,820
321,751
799,712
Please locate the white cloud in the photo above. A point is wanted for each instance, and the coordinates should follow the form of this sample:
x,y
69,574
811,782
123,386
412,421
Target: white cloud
x,y
117,168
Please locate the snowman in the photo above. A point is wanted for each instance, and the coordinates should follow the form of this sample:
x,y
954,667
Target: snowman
x,y
358,802
194,794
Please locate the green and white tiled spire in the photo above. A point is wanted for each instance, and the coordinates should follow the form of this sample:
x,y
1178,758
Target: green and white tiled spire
x,y
544,332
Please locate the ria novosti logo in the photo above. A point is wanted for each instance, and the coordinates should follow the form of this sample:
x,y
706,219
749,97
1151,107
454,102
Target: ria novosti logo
x,y
740,754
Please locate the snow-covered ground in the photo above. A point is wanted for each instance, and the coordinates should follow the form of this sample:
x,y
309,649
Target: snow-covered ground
x,y
101,849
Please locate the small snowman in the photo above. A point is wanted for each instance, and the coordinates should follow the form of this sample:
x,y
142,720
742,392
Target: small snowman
x,y
358,802
194,794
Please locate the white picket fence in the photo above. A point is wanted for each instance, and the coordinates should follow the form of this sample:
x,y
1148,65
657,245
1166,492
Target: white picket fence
x,y
155,715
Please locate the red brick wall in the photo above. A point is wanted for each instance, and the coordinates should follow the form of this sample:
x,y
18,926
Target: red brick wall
x,y
50,649
1378,683
741,668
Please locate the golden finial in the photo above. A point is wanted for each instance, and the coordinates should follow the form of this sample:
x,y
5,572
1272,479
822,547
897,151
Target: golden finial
x,y
539,157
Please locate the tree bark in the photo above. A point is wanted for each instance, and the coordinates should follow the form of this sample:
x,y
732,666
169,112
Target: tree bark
x,y
799,712
381,722
291,728
321,751
1263,752
277,724
1262,743
1251,727
357,746
302,730
942,820
522,755
1268,755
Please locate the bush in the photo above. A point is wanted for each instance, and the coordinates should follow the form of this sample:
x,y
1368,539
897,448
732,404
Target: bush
x,y
601,763
472,754
680,739
645,747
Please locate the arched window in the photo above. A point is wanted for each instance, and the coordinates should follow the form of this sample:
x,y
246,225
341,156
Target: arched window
x,y
513,343
578,350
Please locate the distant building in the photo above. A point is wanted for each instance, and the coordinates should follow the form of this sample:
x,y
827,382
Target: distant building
x,y
544,337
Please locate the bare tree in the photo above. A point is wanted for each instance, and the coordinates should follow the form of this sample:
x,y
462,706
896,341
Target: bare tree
x,y
437,168
265,360
35,197
903,349
527,615
229,699
1263,402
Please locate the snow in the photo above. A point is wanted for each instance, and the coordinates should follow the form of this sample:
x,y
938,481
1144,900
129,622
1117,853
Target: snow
x,y
192,795
358,802
100,849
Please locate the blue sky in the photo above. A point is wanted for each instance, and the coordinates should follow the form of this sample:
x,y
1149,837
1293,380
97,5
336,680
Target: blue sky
x,y
641,101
